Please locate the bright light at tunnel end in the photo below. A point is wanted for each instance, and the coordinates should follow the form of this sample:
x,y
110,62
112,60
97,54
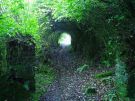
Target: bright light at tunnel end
x,y
65,40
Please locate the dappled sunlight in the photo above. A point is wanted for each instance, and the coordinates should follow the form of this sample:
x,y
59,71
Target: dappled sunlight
x,y
64,40
29,1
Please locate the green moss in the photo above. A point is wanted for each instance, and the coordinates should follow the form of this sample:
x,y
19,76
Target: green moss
x,y
82,68
90,90
105,74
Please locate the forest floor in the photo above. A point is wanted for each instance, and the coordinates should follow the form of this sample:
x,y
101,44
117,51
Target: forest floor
x,y
70,84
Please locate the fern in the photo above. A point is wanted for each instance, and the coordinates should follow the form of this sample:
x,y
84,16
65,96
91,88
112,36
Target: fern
x,y
121,79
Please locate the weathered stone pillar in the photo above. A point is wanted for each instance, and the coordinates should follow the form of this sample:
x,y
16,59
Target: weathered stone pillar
x,y
21,59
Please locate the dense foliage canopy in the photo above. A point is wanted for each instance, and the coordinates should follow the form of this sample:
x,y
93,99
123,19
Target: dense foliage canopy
x,y
105,32
18,17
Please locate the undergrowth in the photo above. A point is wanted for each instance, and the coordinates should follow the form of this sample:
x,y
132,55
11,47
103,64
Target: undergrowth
x,y
44,76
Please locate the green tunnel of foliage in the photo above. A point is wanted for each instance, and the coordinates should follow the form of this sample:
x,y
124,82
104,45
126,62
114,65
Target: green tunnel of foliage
x,y
105,27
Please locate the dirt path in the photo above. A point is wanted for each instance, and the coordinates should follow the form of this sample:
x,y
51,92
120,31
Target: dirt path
x,y
69,85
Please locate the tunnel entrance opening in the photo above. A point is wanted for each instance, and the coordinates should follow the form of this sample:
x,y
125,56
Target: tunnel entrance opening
x,y
64,40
